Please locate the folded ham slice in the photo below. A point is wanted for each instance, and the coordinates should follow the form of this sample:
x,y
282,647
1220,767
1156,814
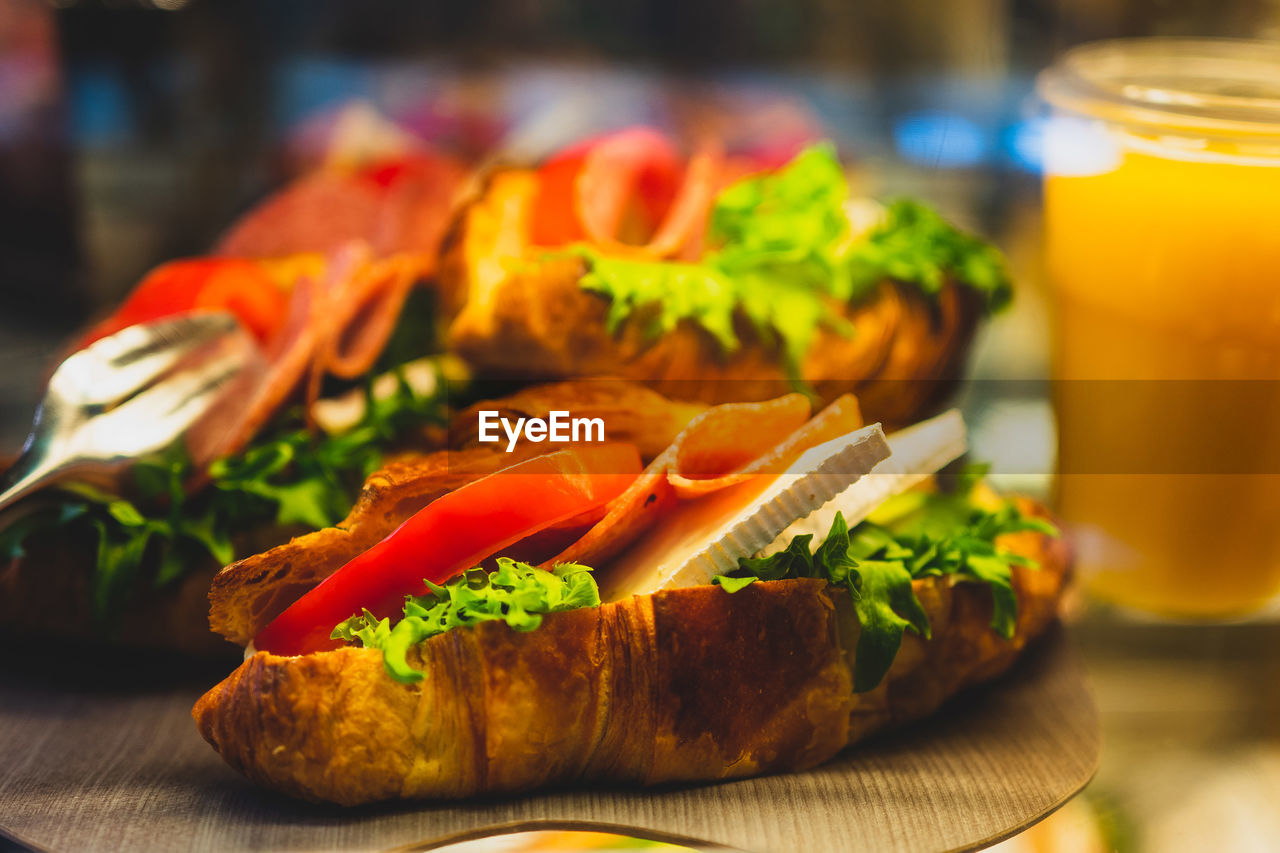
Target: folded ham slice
x,y
396,205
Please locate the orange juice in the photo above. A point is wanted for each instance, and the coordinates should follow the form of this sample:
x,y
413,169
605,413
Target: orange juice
x,y
1163,242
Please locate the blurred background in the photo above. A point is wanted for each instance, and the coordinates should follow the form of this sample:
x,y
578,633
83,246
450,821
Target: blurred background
x,y
134,131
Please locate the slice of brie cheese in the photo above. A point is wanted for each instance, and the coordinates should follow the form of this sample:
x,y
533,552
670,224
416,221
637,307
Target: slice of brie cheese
x,y
919,452
705,537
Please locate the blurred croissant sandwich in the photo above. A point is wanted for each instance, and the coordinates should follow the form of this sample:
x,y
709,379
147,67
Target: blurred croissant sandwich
x,y
714,278
327,275
768,589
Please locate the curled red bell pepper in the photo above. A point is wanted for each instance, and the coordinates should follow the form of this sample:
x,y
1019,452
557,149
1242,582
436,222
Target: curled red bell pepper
x,y
243,287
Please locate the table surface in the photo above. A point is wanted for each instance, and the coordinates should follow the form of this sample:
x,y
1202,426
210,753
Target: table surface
x,y
106,762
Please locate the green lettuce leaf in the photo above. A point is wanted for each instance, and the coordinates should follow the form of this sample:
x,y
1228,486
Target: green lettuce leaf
x,y
733,584
783,259
915,535
915,245
697,292
516,593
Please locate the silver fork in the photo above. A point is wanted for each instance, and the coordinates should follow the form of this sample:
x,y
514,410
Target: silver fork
x,y
131,396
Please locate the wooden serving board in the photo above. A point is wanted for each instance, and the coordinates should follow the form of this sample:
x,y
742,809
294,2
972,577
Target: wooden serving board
x,y
93,760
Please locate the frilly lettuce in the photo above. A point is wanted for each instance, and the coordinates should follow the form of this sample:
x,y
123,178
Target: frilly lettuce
x,y
913,535
516,593
782,253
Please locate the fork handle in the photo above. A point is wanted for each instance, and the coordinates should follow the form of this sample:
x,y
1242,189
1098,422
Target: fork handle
x,y
28,473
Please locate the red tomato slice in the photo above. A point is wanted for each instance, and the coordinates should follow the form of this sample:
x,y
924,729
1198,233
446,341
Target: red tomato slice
x,y
452,534
245,289
555,215
231,284
386,172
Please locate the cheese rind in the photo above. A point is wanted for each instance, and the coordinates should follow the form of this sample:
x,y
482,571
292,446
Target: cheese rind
x,y
919,452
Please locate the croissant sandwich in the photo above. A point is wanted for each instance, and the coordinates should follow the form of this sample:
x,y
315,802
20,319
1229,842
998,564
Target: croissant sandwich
x,y
765,590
